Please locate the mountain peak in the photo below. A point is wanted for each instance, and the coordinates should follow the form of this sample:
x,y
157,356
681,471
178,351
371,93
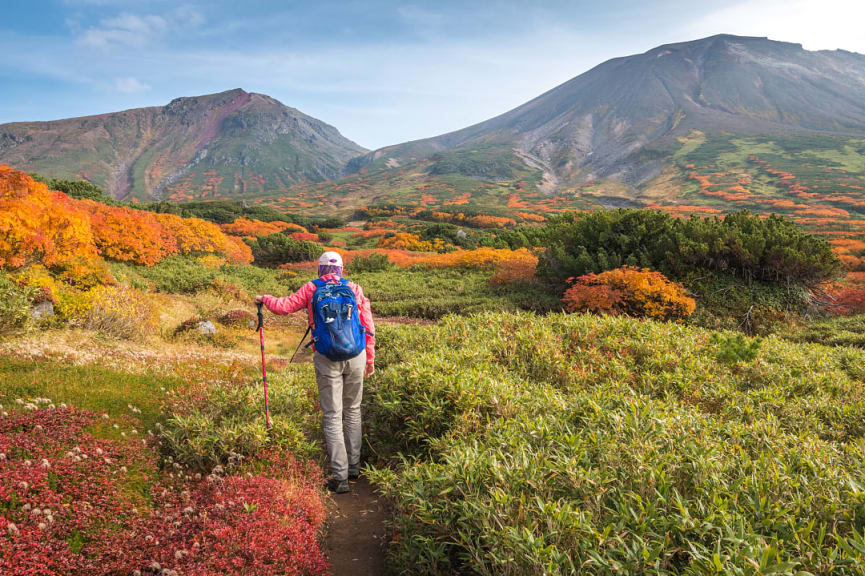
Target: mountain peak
x,y
219,145
598,124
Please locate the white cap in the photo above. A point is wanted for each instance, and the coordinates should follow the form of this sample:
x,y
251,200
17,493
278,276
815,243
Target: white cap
x,y
330,258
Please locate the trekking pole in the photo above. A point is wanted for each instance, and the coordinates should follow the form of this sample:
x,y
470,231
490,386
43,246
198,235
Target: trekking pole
x,y
263,367
308,328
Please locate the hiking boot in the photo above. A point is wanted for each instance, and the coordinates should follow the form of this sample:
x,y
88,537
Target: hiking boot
x,y
337,486
353,472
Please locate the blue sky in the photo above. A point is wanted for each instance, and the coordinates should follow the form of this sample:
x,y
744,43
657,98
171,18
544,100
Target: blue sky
x,y
382,72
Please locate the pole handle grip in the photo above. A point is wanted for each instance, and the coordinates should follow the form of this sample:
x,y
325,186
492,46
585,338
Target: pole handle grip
x,y
260,318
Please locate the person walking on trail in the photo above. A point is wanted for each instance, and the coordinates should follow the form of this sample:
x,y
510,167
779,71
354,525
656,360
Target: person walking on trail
x,y
344,342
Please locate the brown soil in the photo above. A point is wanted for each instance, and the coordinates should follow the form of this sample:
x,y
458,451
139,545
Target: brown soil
x,y
357,536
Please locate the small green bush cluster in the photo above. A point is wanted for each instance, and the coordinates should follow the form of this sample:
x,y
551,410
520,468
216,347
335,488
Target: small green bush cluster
x,y
431,294
187,275
375,262
576,444
216,417
225,211
14,304
841,331
275,249
81,189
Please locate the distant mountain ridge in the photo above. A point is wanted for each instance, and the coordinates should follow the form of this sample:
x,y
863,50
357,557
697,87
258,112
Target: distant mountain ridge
x,y
620,129
218,145
609,122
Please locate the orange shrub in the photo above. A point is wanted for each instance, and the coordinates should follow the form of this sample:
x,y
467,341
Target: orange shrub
x,y
482,221
128,235
253,228
193,234
629,290
531,217
237,251
479,258
488,258
304,236
40,226
409,241
517,270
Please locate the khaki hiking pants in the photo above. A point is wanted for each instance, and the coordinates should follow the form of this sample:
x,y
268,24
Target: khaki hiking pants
x,y
340,389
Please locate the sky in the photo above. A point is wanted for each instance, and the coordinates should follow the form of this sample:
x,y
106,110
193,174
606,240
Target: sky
x,y
382,72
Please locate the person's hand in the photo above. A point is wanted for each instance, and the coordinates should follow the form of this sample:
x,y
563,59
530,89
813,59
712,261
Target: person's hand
x,y
259,299
370,369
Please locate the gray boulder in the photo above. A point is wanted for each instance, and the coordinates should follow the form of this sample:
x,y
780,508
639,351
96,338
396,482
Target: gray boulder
x,y
207,328
42,310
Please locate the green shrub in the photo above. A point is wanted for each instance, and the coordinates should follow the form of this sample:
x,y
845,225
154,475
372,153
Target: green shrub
x,y
81,189
178,275
733,348
772,249
217,416
14,304
375,262
579,444
275,249
842,331
257,280
431,293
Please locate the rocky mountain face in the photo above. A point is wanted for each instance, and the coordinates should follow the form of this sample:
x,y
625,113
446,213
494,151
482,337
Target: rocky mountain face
x,y
223,145
620,119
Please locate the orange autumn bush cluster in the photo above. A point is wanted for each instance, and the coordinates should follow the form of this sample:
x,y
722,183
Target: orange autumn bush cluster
x,y
44,227
478,221
518,270
41,226
485,258
629,290
304,236
412,242
251,228
141,237
477,258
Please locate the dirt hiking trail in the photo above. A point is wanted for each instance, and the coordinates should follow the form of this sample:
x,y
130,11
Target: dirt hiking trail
x,y
356,536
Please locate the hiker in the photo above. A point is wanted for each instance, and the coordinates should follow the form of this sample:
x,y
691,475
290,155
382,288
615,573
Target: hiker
x,y
344,342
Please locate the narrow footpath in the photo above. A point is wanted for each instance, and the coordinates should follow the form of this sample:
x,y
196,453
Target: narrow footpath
x,y
357,536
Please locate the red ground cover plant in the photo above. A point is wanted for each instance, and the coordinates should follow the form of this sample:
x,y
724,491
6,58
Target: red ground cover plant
x,y
75,504
629,290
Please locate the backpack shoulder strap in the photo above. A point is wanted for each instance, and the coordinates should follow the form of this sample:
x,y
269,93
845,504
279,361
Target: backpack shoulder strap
x,y
319,282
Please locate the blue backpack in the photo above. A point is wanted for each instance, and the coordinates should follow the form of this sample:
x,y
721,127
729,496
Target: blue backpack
x,y
336,329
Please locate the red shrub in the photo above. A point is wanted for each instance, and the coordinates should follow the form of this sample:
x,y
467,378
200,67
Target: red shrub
x,y
850,300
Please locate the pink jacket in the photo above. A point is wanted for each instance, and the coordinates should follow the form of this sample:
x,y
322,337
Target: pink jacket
x,y
303,299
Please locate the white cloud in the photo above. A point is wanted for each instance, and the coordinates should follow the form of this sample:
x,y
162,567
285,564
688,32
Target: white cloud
x,y
138,30
130,85
126,29
823,25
